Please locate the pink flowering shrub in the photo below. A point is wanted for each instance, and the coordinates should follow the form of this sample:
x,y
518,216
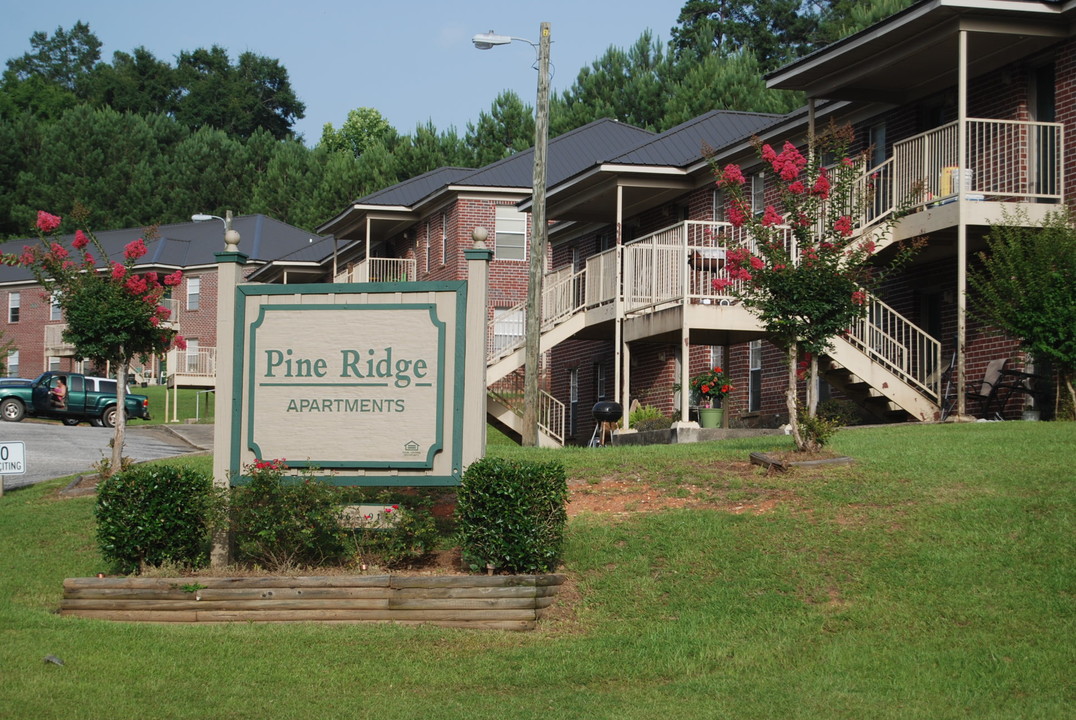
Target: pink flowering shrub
x,y
804,270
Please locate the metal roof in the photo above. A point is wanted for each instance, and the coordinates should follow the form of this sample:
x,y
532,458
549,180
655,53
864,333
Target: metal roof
x,y
409,192
683,145
568,154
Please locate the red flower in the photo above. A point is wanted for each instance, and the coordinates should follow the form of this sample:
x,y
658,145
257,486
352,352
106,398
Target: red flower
x,y
843,225
771,216
173,279
736,215
719,284
757,263
118,271
797,188
179,343
821,185
58,251
136,285
733,175
135,249
46,222
859,297
80,240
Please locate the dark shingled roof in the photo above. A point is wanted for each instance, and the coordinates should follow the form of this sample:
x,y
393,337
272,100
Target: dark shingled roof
x,y
190,244
682,145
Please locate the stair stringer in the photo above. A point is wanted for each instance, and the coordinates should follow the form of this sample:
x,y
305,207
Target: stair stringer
x,y
885,382
512,423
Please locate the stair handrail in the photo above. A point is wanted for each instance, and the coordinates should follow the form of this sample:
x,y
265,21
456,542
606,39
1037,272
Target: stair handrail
x,y
561,299
898,344
551,411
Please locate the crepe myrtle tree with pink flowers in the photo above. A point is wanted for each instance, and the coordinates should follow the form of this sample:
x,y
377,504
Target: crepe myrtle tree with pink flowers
x,y
113,313
805,268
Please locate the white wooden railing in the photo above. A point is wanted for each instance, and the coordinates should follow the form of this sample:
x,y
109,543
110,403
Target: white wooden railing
x,y
380,270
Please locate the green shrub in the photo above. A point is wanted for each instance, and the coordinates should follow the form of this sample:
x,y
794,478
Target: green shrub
x,y
153,514
817,431
402,535
279,524
648,417
511,515
841,411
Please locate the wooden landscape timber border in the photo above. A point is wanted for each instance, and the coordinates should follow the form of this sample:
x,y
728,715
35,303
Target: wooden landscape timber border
x,y
500,602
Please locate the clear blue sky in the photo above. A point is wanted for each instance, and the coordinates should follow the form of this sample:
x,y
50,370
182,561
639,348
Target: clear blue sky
x,y
413,61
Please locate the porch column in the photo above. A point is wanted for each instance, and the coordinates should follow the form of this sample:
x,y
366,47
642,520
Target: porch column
x,y
961,228
685,372
618,306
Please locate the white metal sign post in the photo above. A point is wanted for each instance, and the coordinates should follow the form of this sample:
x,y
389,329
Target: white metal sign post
x,y
12,461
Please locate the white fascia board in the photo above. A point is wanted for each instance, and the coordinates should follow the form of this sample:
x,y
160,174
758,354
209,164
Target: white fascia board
x,y
471,192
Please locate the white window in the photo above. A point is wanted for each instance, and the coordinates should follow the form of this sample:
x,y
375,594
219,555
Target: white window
x,y
758,194
754,365
573,400
511,234
54,364
14,299
717,356
508,327
55,313
444,237
194,291
599,381
717,206
427,270
192,356
13,363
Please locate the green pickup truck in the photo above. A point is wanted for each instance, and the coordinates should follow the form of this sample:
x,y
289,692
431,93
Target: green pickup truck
x,y
86,399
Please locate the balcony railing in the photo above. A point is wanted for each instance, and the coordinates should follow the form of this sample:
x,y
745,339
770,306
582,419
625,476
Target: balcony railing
x,y
380,270
201,362
55,345
1006,160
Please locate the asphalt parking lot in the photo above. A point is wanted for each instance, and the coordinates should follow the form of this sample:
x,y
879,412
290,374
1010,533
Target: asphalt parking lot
x,y
53,450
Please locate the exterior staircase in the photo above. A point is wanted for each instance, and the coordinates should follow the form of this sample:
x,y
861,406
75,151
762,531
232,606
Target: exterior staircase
x,y
884,362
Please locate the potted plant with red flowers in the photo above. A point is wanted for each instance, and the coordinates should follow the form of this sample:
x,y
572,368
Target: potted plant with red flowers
x,y
711,387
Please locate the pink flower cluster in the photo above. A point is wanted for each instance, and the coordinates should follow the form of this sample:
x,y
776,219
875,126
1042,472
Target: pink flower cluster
x,y
788,164
46,222
732,175
843,226
737,261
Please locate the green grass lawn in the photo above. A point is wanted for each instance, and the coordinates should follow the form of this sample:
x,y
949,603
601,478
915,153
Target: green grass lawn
x,y
936,578
192,403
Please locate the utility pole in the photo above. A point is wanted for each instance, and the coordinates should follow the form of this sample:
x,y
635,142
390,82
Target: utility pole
x,y
539,237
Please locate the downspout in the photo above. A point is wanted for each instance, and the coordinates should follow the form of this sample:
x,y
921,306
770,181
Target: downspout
x,y
961,227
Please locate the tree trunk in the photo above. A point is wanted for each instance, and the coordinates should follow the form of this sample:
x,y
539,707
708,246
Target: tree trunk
x,y
812,387
121,417
1072,396
790,398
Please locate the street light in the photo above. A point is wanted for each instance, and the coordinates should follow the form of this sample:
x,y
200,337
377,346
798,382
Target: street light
x,y
231,237
539,229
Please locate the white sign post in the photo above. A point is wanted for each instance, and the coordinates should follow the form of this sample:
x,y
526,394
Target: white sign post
x,y
12,461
